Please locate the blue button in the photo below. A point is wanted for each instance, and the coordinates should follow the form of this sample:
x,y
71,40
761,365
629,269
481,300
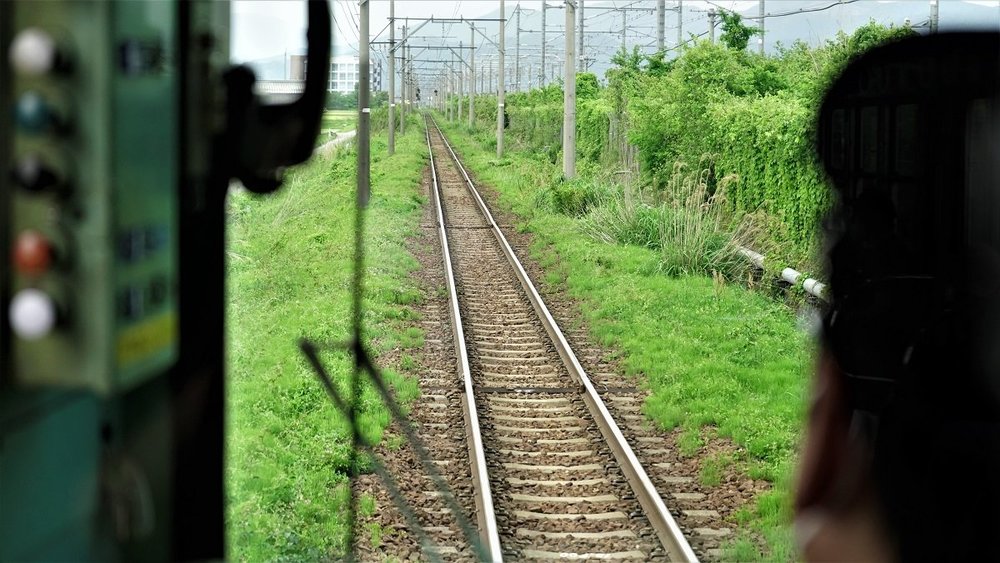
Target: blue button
x,y
33,113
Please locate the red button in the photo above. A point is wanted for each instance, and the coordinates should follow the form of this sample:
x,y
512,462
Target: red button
x,y
32,253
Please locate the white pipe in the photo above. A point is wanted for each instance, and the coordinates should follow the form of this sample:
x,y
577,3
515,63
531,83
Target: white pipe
x,y
811,286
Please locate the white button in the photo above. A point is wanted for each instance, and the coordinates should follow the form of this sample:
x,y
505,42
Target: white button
x,y
32,314
33,52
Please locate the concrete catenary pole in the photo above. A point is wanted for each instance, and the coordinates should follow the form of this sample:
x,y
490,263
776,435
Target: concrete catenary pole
x,y
517,49
624,30
410,80
461,81
711,25
541,72
472,75
364,112
569,95
760,38
934,16
680,25
579,43
451,86
392,77
402,86
661,14
500,85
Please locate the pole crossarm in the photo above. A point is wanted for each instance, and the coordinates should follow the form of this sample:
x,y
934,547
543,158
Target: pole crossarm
x,y
406,36
486,37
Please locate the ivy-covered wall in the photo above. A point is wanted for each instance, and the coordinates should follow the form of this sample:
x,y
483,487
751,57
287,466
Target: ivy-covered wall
x,y
716,106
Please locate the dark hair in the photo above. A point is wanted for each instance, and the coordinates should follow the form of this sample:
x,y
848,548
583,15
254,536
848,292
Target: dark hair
x,y
911,323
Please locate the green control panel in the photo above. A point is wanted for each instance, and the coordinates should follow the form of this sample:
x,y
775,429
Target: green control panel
x,y
92,188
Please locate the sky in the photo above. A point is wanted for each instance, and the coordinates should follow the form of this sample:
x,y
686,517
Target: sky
x,y
263,32
265,28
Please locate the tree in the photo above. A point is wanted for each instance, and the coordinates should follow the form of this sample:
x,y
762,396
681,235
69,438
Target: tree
x,y
735,34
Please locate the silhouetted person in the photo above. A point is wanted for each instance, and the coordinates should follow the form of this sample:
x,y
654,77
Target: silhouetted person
x,y
902,453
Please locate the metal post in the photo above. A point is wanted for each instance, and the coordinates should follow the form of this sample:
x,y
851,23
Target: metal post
x,y
934,16
451,86
711,25
500,86
569,95
579,47
760,40
661,13
541,72
472,75
392,77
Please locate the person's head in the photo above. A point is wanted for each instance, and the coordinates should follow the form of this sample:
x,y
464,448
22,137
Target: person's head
x,y
903,445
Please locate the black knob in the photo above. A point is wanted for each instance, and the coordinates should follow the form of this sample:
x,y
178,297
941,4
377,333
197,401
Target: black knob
x,y
32,174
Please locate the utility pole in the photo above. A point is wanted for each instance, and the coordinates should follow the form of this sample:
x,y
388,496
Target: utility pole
x,y
661,14
760,40
451,85
364,112
410,80
541,72
402,87
569,95
500,87
934,16
624,30
680,26
461,82
392,77
579,47
517,49
711,25
472,75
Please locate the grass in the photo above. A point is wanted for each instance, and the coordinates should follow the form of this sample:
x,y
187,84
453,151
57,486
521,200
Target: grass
x,y
339,120
290,265
712,354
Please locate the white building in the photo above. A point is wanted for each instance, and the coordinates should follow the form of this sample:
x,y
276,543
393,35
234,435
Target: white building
x,y
343,74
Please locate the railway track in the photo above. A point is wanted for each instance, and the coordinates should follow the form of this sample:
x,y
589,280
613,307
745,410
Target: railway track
x,y
553,475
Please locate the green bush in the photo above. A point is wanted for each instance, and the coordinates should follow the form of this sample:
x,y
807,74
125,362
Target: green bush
x,y
691,227
756,115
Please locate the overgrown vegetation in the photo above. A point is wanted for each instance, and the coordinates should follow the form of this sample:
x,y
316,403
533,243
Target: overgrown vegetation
x,y
693,230
289,273
716,107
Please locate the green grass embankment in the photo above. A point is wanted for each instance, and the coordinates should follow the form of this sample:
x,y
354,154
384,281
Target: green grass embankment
x,y
290,266
718,359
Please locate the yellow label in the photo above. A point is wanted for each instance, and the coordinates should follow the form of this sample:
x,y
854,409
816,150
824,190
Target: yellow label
x,y
147,338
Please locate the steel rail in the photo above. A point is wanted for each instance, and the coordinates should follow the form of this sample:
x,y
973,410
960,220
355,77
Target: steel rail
x,y
488,528
667,530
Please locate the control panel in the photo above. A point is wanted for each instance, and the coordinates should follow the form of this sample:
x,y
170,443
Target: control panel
x,y
92,299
